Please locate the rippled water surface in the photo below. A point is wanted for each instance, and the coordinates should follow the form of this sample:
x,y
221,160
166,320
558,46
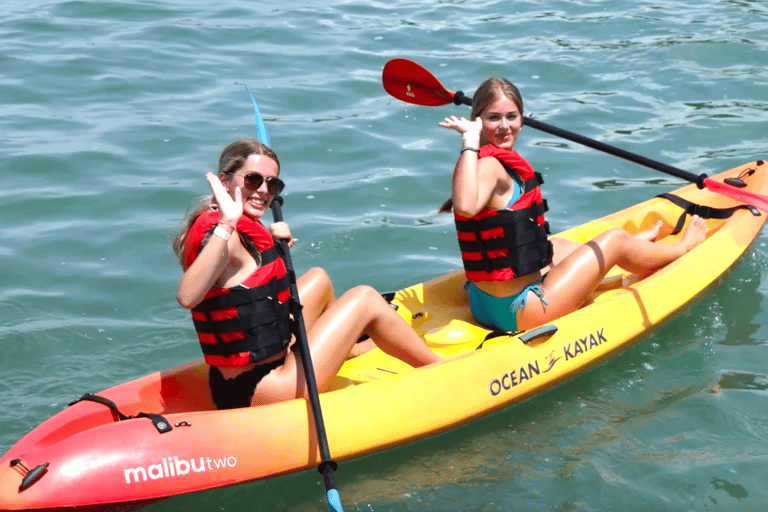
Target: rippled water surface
x,y
112,112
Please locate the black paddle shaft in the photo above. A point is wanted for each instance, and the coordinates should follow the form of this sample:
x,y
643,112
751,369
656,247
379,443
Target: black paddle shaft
x,y
460,98
327,467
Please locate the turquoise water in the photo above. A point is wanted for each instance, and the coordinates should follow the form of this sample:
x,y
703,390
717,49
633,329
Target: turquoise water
x,y
112,112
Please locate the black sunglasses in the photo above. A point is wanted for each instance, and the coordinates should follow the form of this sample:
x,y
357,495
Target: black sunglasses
x,y
254,180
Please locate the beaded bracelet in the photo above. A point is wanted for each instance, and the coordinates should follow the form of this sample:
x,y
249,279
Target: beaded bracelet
x,y
467,148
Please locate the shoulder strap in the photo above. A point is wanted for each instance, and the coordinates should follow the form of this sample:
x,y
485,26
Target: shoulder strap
x,y
512,158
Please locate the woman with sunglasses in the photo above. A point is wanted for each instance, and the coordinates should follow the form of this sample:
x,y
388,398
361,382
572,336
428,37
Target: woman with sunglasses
x,y
236,285
499,212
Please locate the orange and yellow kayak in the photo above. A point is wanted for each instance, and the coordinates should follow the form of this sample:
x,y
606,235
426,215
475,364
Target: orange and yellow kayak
x,y
159,435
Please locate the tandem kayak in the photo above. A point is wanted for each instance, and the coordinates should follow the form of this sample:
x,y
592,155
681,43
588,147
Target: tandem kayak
x,y
159,435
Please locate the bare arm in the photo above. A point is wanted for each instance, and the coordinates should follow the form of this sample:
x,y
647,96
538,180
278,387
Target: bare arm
x,y
214,258
474,179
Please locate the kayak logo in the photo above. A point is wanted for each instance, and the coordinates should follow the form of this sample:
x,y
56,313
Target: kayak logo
x,y
173,466
531,370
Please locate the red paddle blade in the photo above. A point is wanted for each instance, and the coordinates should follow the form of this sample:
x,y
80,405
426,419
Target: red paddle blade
x,y
745,196
410,82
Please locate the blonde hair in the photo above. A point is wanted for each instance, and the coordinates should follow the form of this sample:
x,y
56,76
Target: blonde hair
x,y
232,158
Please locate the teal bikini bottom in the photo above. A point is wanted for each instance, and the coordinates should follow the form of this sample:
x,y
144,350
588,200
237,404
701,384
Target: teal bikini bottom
x,y
501,312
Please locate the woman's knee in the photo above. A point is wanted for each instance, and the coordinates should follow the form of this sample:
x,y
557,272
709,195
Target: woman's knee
x,y
618,234
614,238
363,293
318,275
318,281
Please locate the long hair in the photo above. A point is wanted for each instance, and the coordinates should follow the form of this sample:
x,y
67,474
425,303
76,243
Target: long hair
x,y
232,158
488,92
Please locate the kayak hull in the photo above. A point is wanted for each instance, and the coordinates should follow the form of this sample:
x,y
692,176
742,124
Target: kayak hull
x,y
86,458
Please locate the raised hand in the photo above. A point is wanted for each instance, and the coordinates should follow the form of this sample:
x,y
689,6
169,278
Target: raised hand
x,y
231,208
463,125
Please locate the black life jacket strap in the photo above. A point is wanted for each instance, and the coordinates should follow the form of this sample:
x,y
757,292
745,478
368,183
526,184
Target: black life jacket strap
x,y
250,316
266,326
263,340
705,212
520,228
160,423
270,255
535,181
239,296
527,242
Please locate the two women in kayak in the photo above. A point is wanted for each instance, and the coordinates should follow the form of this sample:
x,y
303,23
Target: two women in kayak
x,y
236,285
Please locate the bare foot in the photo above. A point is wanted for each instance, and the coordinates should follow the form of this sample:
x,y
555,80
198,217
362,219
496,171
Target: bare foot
x,y
695,233
651,233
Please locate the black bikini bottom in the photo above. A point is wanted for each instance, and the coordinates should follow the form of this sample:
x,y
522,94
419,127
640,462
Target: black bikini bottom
x,y
238,391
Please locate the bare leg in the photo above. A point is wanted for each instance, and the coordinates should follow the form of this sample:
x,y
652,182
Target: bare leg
x,y
564,247
571,282
360,310
315,294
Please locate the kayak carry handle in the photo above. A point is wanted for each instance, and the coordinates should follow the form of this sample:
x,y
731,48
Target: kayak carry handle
x,y
32,475
538,332
525,337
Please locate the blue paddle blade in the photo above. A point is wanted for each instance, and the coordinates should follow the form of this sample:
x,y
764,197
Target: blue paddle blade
x,y
334,500
261,130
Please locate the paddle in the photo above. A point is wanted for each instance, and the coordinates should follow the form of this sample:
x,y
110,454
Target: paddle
x,y
327,466
261,129
408,81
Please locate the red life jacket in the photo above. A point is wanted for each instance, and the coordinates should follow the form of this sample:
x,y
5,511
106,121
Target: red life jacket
x,y
248,322
499,245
